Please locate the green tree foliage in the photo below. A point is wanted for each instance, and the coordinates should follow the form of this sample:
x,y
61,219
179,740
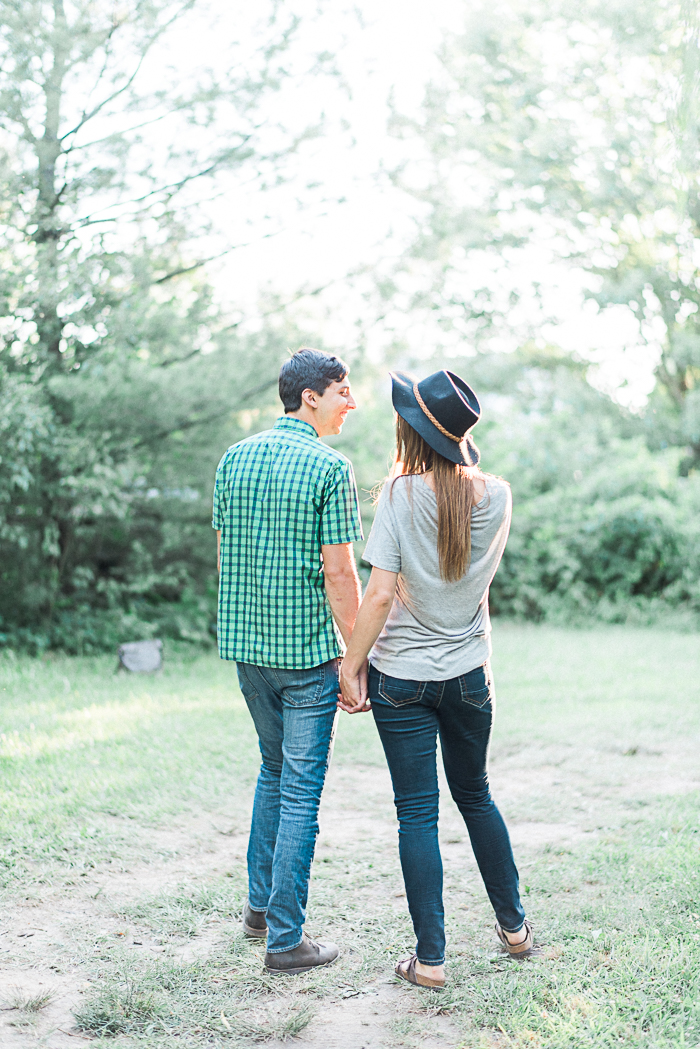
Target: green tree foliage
x,y
121,381
564,135
603,527
568,132
558,131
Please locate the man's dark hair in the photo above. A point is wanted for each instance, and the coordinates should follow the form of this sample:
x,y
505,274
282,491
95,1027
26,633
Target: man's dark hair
x,y
308,369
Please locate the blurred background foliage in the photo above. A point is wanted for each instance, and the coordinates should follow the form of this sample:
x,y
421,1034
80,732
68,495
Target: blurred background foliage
x,y
570,128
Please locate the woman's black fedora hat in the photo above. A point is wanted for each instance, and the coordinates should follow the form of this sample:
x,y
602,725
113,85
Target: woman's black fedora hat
x,y
443,409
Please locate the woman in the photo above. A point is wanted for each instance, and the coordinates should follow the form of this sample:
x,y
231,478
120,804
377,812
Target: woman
x,y
437,539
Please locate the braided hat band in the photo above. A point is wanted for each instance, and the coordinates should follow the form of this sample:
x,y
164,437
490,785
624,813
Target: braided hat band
x,y
426,411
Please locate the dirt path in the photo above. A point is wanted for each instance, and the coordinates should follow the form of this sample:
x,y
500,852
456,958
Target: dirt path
x,y
555,797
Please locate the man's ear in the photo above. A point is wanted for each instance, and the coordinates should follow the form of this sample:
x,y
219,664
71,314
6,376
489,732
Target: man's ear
x,y
309,398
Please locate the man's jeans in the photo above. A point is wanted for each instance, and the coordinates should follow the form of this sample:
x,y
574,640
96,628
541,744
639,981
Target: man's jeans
x,y
409,716
294,713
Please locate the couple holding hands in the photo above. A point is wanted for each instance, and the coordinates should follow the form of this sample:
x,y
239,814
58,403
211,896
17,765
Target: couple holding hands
x,y
418,643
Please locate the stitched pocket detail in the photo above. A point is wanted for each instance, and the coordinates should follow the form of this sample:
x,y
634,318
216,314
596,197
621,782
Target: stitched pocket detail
x,y
399,692
475,687
302,688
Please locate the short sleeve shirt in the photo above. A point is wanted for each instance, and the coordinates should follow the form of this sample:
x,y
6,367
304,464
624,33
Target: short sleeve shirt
x,y
280,496
435,630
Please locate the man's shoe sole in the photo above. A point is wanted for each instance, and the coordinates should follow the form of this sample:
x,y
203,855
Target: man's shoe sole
x,y
301,969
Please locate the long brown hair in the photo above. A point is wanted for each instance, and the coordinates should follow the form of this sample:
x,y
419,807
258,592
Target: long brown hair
x,y
454,491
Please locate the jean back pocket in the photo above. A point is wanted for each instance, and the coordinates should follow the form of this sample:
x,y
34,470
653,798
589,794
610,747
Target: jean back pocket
x,y
399,692
306,688
476,687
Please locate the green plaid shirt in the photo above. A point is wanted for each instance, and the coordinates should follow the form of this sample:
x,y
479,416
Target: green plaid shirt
x,y
279,496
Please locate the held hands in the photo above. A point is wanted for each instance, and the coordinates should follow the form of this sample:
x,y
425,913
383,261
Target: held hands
x,y
353,687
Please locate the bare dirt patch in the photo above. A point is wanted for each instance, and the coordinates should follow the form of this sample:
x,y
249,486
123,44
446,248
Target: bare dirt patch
x,y
52,1023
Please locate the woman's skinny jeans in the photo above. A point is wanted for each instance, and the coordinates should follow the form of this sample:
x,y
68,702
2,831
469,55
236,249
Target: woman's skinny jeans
x,y
409,716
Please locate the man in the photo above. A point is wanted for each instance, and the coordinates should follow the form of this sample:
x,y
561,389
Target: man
x,y
286,515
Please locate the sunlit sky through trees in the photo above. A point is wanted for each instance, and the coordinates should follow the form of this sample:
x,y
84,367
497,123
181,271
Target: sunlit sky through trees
x,y
336,219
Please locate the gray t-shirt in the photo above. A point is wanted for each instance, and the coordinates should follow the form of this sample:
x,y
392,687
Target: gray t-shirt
x,y
435,630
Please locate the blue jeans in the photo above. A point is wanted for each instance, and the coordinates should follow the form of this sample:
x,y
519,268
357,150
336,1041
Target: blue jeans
x,y
409,716
294,713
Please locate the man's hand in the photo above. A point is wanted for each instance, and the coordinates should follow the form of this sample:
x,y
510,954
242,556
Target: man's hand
x,y
353,688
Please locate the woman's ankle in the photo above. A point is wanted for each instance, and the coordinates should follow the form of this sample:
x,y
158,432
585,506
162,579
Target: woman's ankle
x,y
435,972
517,937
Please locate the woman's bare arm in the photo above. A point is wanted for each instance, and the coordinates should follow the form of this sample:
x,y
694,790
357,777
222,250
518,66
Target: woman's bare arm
x,y
372,616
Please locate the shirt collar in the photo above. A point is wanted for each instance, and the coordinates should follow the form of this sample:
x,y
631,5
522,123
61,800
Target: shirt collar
x,y
285,422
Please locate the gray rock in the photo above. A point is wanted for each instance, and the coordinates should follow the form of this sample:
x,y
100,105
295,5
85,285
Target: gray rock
x,y
140,657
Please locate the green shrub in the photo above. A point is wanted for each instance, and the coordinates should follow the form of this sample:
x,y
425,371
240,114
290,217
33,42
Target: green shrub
x,y
622,545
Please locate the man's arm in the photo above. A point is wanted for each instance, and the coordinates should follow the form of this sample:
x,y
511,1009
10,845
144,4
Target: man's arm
x,y
218,550
342,586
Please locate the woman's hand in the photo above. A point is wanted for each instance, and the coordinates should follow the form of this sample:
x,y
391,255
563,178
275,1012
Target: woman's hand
x,y
353,688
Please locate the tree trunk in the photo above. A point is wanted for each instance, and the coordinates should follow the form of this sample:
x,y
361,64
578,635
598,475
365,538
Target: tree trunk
x,y
48,231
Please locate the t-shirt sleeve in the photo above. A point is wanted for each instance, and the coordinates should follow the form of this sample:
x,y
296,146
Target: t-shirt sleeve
x,y
220,496
340,510
383,548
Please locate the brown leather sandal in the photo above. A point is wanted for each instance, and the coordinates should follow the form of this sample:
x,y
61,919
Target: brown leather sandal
x,y
521,950
409,974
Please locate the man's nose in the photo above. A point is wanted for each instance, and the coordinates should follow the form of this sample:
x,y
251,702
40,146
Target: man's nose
x,y
351,401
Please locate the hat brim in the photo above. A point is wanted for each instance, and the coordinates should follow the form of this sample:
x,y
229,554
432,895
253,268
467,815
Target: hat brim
x,y
404,400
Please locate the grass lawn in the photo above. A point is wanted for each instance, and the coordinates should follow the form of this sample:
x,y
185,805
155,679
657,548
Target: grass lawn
x,y
124,804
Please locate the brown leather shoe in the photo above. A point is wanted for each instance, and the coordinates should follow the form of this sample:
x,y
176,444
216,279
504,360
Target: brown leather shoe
x,y
254,924
308,955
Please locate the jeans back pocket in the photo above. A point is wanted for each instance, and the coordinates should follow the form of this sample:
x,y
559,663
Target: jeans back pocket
x,y
306,688
399,692
476,686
